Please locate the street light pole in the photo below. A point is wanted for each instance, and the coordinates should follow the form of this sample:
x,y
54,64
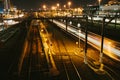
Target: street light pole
x,y
99,1
44,7
58,6
102,46
66,24
69,4
79,34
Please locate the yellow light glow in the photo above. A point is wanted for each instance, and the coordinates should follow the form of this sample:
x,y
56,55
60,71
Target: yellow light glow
x,y
69,3
44,6
53,7
64,6
99,1
58,4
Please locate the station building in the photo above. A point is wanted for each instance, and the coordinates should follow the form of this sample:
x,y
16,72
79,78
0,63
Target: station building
x,y
111,8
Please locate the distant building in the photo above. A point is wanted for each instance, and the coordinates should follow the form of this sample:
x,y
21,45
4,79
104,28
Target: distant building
x,y
1,6
112,8
91,9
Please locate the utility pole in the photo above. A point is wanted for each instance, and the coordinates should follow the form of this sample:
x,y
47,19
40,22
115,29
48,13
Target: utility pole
x,y
102,38
86,36
102,41
66,23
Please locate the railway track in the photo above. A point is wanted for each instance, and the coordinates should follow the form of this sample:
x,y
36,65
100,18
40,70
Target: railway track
x,y
33,63
67,68
64,61
7,34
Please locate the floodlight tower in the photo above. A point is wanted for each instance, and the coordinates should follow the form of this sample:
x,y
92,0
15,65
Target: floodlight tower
x,y
7,6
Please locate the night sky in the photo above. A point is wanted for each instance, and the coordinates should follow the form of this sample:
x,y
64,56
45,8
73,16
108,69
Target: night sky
x,y
35,4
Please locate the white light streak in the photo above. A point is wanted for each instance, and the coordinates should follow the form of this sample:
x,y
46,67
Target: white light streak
x,y
92,41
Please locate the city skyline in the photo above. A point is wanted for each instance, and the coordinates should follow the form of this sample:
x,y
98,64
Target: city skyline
x,y
31,4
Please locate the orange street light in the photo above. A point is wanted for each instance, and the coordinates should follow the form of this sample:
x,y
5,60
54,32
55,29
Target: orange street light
x,y
44,7
69,4
58,5
64,6
99,1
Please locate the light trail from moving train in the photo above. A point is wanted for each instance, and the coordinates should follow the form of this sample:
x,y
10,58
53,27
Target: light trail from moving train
x,y
110,48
